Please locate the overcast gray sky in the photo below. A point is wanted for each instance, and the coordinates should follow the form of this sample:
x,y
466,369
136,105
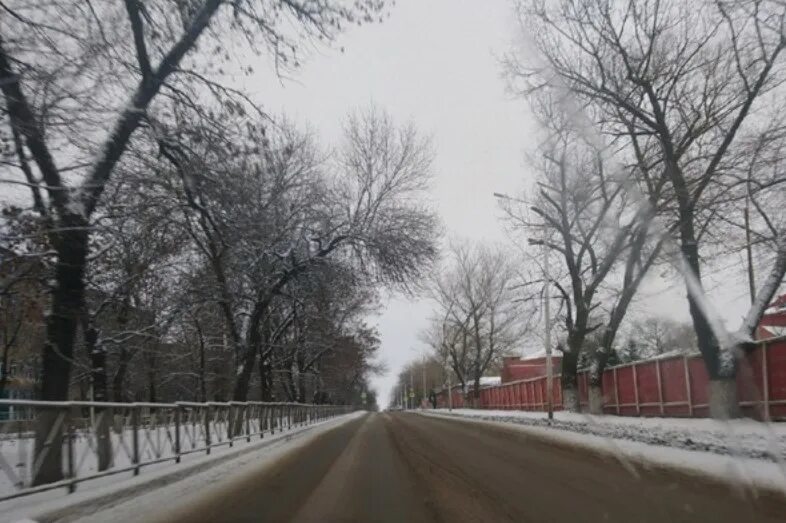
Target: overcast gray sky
x,y
432,62
435,63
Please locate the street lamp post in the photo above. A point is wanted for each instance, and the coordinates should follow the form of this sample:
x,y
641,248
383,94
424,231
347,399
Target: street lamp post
x,y
450,394
411,390
446,366
425,395
547,333
546,312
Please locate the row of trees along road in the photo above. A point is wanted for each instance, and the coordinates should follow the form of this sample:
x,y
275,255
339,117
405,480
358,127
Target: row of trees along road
x,y
478,318
662,146
194,246
420,378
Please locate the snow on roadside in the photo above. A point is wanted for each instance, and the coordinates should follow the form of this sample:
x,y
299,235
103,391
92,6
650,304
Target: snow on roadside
x,y
738,452
743,438
154,490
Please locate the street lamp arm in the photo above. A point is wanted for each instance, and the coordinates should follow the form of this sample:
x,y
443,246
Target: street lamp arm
x,y
503,196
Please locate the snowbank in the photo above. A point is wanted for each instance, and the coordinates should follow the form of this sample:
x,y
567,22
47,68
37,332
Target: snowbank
x,y
745,438
743,453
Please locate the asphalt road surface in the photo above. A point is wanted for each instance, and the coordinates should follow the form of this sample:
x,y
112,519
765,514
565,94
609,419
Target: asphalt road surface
x,y
408,468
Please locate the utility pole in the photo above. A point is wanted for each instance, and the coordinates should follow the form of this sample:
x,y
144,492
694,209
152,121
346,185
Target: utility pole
x,y
445,364
450,394
547,333
546,309
424,380
411,390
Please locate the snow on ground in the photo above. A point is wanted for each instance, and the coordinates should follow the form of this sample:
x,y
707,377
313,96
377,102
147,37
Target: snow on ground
x,y
121,497
744,438
740,452
156,442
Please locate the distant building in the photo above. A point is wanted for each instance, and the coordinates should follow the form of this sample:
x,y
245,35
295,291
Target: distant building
x,y
21,327
485,381
515,368
20,385
773,323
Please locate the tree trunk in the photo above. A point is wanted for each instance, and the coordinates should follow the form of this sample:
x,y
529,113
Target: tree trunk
x,y
202,381
302,384
265,392
61,326
124,357
595,377
721,371
4,369
723,398
244,375
248,354
595,399
151,378
118,392
289,385
201,369
97,354
570,382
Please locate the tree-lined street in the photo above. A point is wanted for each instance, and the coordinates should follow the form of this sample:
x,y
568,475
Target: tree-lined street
x,y
408,467
222,219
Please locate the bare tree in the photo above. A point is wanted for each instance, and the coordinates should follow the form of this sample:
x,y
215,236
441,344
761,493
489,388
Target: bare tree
x,y
277,216
582,213
482,319
449,340
642,254
689,81
423,376
85,62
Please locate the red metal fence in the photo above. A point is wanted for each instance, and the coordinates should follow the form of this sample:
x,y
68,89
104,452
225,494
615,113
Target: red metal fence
x,y
666,386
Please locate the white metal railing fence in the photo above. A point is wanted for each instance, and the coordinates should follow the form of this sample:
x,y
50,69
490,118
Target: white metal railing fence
x,y
87,440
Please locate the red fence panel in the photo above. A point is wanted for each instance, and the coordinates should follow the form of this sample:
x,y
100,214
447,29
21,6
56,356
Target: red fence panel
x,y
671,386
647,381
609,388
674,386
626,391
750,384
699,383
776,378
